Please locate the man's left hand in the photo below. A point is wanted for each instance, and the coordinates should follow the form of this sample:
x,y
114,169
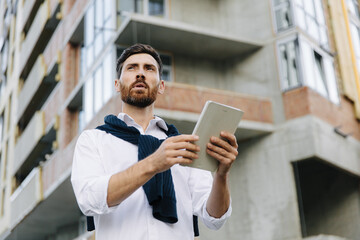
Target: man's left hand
x,y
224,150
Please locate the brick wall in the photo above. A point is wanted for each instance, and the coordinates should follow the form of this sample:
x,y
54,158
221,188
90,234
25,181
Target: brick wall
x,y
303,101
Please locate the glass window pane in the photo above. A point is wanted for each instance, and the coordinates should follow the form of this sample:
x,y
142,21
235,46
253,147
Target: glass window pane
x,y
300,17
284,69
156,7
99,18
331,80
98,84
356,39
108,76
319,12
89,26
289,68
283,18
4,57
277,2
108,33
323,37
88,99
313,28
98,44
1,127
139,6
89,55
126,5
353,7
309,7
299,3
107,9
319,75
307,63
82,61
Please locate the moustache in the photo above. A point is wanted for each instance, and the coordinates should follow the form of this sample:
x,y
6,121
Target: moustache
x,y
139,82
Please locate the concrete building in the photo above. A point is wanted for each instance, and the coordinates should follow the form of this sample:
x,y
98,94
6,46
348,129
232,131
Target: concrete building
x,y
293,66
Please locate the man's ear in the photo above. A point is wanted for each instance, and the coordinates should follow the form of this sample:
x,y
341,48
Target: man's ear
x,y
117,85
161,87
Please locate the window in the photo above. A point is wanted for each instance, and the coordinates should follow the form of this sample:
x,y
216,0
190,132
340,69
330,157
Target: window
x,y
3,66
310,16
147,7
289,64
98,89
354,18
166,61
353,6
156,7
316,65
283,14
1,127
99,27
2,208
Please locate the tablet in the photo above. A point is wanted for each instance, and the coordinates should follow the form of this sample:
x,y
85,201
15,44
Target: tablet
x,y
214,118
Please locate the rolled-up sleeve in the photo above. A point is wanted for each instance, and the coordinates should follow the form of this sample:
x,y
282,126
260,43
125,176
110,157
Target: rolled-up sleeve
x,y
88,177
200,183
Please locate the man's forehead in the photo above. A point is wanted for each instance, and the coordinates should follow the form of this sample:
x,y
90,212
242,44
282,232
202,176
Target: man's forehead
x,y
143,58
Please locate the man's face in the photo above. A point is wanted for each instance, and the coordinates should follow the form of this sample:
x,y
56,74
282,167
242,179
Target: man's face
x,y
139,81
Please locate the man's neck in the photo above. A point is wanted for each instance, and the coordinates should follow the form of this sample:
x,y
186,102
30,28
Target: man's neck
x,y
141,116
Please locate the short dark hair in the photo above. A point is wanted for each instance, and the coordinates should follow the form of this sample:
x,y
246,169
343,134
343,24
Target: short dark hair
x,y
136,49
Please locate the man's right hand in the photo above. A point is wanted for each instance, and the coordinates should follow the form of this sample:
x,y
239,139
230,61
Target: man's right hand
x,y
179,149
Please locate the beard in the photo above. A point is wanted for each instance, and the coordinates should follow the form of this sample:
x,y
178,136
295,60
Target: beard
x,y
139,98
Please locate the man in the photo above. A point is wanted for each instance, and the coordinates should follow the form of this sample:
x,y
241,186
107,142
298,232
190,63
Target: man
x,y
111,184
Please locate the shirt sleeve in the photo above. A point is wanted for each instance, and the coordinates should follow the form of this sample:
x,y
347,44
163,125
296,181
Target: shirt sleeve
x,y
200,183
88,178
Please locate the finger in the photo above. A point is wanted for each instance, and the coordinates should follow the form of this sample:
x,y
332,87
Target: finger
x,y
184,138
221,151
182,160
230,137
183,153
184,145
217,156
222,143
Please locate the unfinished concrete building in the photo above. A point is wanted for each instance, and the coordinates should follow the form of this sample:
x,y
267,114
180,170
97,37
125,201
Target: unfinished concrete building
x,y
293,67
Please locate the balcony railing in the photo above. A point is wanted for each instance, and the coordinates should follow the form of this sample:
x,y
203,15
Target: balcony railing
x,y
29,140
26,197
38,86
28,10
38,35
32,84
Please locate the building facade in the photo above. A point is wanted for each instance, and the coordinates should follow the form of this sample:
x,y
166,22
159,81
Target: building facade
x,y
293,67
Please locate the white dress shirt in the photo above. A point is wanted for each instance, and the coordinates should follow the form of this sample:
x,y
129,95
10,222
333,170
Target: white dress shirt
x,y
98,155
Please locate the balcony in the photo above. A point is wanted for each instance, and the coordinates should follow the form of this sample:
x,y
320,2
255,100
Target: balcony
x,y
29,9
181,38
182,104
38,35
26,197
36,89
27,144
36,216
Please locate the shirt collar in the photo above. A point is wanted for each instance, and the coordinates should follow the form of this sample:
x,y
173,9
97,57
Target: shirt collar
x,y
131,122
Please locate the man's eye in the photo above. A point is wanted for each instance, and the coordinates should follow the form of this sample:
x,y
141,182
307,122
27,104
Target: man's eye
x,y
131,67
150,68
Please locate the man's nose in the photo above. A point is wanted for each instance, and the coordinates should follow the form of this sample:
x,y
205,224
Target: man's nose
x,y
140,76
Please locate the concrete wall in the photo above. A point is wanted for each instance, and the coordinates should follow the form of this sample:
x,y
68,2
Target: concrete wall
x,y
230,16
263,187
254,73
